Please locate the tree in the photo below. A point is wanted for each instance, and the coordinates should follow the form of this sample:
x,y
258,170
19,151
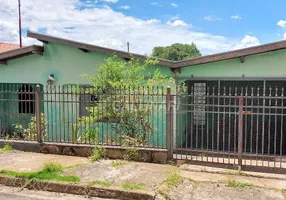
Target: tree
x,y
123,90
176,52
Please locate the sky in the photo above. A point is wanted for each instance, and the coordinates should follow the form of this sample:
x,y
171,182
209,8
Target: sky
x,y
213,25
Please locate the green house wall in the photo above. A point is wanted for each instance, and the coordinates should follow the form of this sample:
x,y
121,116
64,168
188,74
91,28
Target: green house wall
x,y
67,64
267,65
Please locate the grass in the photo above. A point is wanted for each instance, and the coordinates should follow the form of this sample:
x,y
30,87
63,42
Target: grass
x,y
173,179
237,184
129,186
97,153
7,148
118,163
101,183
50,171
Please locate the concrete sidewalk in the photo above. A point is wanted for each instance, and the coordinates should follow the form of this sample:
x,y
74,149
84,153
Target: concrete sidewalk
x,y
195,182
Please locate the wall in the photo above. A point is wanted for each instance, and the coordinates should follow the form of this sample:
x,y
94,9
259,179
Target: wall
x,y
67,64
272,64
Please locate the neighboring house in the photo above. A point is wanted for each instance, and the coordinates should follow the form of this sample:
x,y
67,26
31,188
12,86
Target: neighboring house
x,y
7,47
261,67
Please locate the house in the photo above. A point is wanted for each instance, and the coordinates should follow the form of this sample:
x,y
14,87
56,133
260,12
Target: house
x,y
203,119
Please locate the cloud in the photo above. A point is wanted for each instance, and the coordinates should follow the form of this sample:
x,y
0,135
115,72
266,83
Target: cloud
x,y
110,1
247,41
281,23
153,21
211,18
72,19
284,36
114,42
237,17
174,5
124,7
177,23
156,4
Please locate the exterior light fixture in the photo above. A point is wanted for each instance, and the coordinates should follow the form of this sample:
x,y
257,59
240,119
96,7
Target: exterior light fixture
x,y
51,79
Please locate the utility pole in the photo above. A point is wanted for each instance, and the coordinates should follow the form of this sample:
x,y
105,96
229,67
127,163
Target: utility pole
x,y
20,26
127,46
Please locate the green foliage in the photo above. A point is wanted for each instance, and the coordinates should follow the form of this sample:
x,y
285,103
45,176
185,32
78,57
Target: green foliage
x,y
237,184
131,153
53,167
9,132
89,135
30,133
115,73
7,148
176,52
97,153
116,83
118,163
130,186
101,183
50,171
173,179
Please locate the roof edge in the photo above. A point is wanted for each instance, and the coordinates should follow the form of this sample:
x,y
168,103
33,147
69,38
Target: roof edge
x,y
274,46
89,47
168,63
16,53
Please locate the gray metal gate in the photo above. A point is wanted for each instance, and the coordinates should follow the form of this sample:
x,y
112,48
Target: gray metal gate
x,y
235,123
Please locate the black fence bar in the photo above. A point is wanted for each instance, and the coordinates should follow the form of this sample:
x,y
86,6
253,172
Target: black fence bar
x,y
241,126
83,114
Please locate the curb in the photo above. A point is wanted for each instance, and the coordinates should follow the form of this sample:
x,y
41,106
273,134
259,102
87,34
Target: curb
x,y
76,189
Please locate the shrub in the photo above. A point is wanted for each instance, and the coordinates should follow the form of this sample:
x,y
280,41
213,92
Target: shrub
x,y
30,133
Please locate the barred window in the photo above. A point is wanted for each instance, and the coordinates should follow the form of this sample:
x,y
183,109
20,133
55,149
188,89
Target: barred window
x,y
86,100
26,98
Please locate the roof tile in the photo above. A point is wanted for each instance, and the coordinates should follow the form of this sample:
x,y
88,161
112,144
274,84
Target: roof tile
x,y
7,47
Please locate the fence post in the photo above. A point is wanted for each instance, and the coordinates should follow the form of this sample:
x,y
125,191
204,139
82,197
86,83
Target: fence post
x,y
240,133
38,114
169,139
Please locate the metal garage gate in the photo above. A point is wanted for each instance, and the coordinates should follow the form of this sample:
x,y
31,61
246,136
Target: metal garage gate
x,y
235,122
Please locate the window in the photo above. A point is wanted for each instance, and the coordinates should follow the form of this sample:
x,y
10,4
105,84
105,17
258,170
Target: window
x,y
86,100
199,101
26,98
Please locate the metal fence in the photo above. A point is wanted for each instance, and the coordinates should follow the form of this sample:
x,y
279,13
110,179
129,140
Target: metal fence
x,y
211,123
237,126
85,115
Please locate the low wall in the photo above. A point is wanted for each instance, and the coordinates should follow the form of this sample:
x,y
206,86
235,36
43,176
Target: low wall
x,y
112,152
